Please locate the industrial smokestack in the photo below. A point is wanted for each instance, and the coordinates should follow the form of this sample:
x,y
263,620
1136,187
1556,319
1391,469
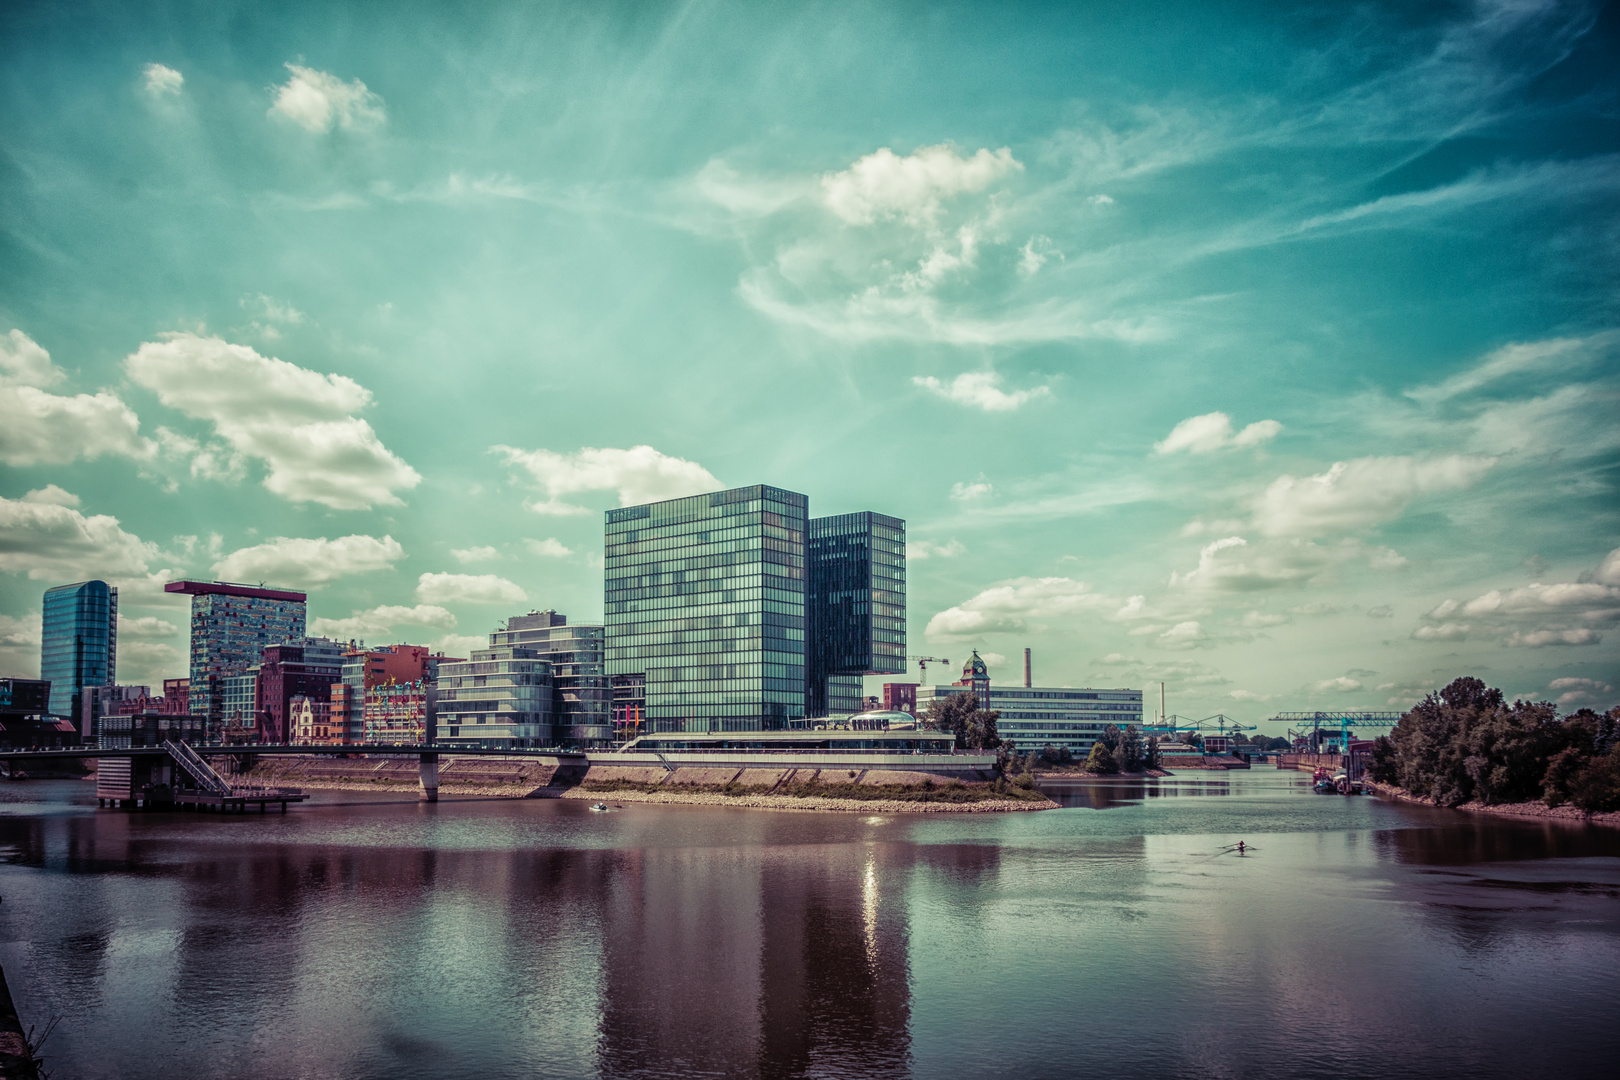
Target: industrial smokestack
x,y
1026,668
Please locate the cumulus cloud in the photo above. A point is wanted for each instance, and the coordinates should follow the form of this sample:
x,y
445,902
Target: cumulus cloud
x,y
50,541
1358,494
1534,616
1344,684
1184,635
42,428
912,188
298,422
1173,673
161,81
1260,620
1577,691
474,554
638,475
1233,565
146,626
468,589
1011,606
460,645
305,562
1247,696
379,622
21,631
1213,431
979,390
917,550
317,101
550,548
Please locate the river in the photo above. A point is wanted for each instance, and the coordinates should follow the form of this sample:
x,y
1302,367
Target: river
x,y
368,936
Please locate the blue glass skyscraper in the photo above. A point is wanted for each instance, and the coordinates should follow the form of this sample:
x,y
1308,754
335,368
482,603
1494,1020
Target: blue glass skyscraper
x,y
79,642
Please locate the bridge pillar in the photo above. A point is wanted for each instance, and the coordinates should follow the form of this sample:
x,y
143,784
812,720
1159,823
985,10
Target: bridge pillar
x,y
429,775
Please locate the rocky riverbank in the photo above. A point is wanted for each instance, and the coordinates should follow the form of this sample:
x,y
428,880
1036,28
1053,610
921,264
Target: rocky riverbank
x,y
1519,809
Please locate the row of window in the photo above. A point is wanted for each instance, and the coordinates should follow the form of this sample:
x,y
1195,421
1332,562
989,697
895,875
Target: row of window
x,y
775,666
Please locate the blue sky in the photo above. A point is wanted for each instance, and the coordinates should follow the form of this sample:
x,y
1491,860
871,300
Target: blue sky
x,y
1269,354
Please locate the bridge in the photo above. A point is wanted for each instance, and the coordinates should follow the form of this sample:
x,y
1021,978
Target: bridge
x,y
135,763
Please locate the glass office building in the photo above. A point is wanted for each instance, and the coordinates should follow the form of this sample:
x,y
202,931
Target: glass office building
x,y
855,607
705,610
79,643
580,702
230,627
501,697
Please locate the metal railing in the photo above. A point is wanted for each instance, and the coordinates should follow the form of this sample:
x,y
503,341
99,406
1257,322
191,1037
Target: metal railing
x,y
200,770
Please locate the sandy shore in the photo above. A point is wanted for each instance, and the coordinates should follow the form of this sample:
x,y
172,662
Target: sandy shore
x,y
809,802
1518,810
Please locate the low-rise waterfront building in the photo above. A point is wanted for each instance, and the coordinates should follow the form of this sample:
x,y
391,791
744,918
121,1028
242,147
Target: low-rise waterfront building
x,y
581,695
502,696
1034,717
310,720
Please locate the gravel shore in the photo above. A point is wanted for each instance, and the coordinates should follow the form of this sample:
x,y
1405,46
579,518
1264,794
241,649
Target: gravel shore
x,y
1519,809
809,802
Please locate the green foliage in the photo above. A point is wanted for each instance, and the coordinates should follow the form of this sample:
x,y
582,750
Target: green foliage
x,y
1151,757
1101,759
974,728
1056,756
1467,743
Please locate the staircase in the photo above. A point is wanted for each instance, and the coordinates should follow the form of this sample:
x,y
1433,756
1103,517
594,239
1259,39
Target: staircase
x,y
199,770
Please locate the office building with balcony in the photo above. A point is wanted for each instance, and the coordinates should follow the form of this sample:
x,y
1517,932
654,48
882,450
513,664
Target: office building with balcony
x,y
855,608
78,643
580,691
500,697
230,627
705,611
306,668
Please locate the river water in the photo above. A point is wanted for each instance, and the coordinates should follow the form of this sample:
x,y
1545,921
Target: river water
x,y
371,936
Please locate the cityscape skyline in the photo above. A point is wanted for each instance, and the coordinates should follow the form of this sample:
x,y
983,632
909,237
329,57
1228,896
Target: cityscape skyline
x,y
1290,384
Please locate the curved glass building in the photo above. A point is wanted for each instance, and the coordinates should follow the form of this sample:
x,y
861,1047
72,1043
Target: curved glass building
x,y
79,642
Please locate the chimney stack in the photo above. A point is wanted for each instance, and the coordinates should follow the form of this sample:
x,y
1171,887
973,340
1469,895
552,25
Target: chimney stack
x,y
1026,668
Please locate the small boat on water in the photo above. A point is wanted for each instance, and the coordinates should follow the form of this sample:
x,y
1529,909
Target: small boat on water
x,y
599,807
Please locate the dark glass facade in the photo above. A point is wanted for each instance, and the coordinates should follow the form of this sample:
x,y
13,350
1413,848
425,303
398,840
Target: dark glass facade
x,y
705,600
231,625
79,642
580,704
855,607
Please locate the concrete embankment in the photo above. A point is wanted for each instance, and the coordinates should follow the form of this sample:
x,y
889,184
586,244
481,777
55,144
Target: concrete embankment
x,y
860,790
1518,810
16,1060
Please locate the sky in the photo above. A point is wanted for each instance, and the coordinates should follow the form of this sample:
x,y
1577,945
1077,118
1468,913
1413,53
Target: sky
x,y
1271,352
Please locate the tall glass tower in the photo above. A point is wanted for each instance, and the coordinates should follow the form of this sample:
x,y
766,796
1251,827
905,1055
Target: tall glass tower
x,y
705,609
79,643
856,608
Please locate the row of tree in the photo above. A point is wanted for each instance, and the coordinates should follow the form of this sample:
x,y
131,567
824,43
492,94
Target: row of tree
x,y
1117,750
1466,743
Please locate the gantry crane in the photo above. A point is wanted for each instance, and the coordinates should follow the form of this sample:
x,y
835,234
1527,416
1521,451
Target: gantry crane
x,y
924,661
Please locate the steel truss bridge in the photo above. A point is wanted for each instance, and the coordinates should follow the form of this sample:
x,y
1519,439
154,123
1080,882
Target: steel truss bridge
x,y
1309,724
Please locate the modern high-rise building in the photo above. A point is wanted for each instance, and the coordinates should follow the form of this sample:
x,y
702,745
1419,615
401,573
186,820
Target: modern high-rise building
x,y
705,610
79,643
855,608
230,627
580,699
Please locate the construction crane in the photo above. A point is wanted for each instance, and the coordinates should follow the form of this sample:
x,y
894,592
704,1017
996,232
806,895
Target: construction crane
x,y
924,661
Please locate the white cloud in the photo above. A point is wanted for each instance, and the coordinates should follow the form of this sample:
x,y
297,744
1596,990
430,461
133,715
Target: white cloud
x,y
1608,571
295,420
468,589
460,645
299,561
1382,611
1184,635
992,659
1537,639
1213,431
52,494
26,630
970,490
1551,355
550,548
917,550
41,428
1574,691
1248,695
1011,605
317,101
1316,607
474,554
161,81
1358,494
379,622
1344,684
638,475
979,389
147,626
1260,620
1443,632
1233,565
49,541
884,185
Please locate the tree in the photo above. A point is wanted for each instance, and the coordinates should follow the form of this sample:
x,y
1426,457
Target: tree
x,y
1152,759
1128,749
1101,759
974,728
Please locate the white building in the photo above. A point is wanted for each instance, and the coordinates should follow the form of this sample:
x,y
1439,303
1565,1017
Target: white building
x,y
1033,717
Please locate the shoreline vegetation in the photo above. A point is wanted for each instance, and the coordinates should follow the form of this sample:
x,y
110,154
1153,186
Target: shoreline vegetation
x,y
1535,810
1465,748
